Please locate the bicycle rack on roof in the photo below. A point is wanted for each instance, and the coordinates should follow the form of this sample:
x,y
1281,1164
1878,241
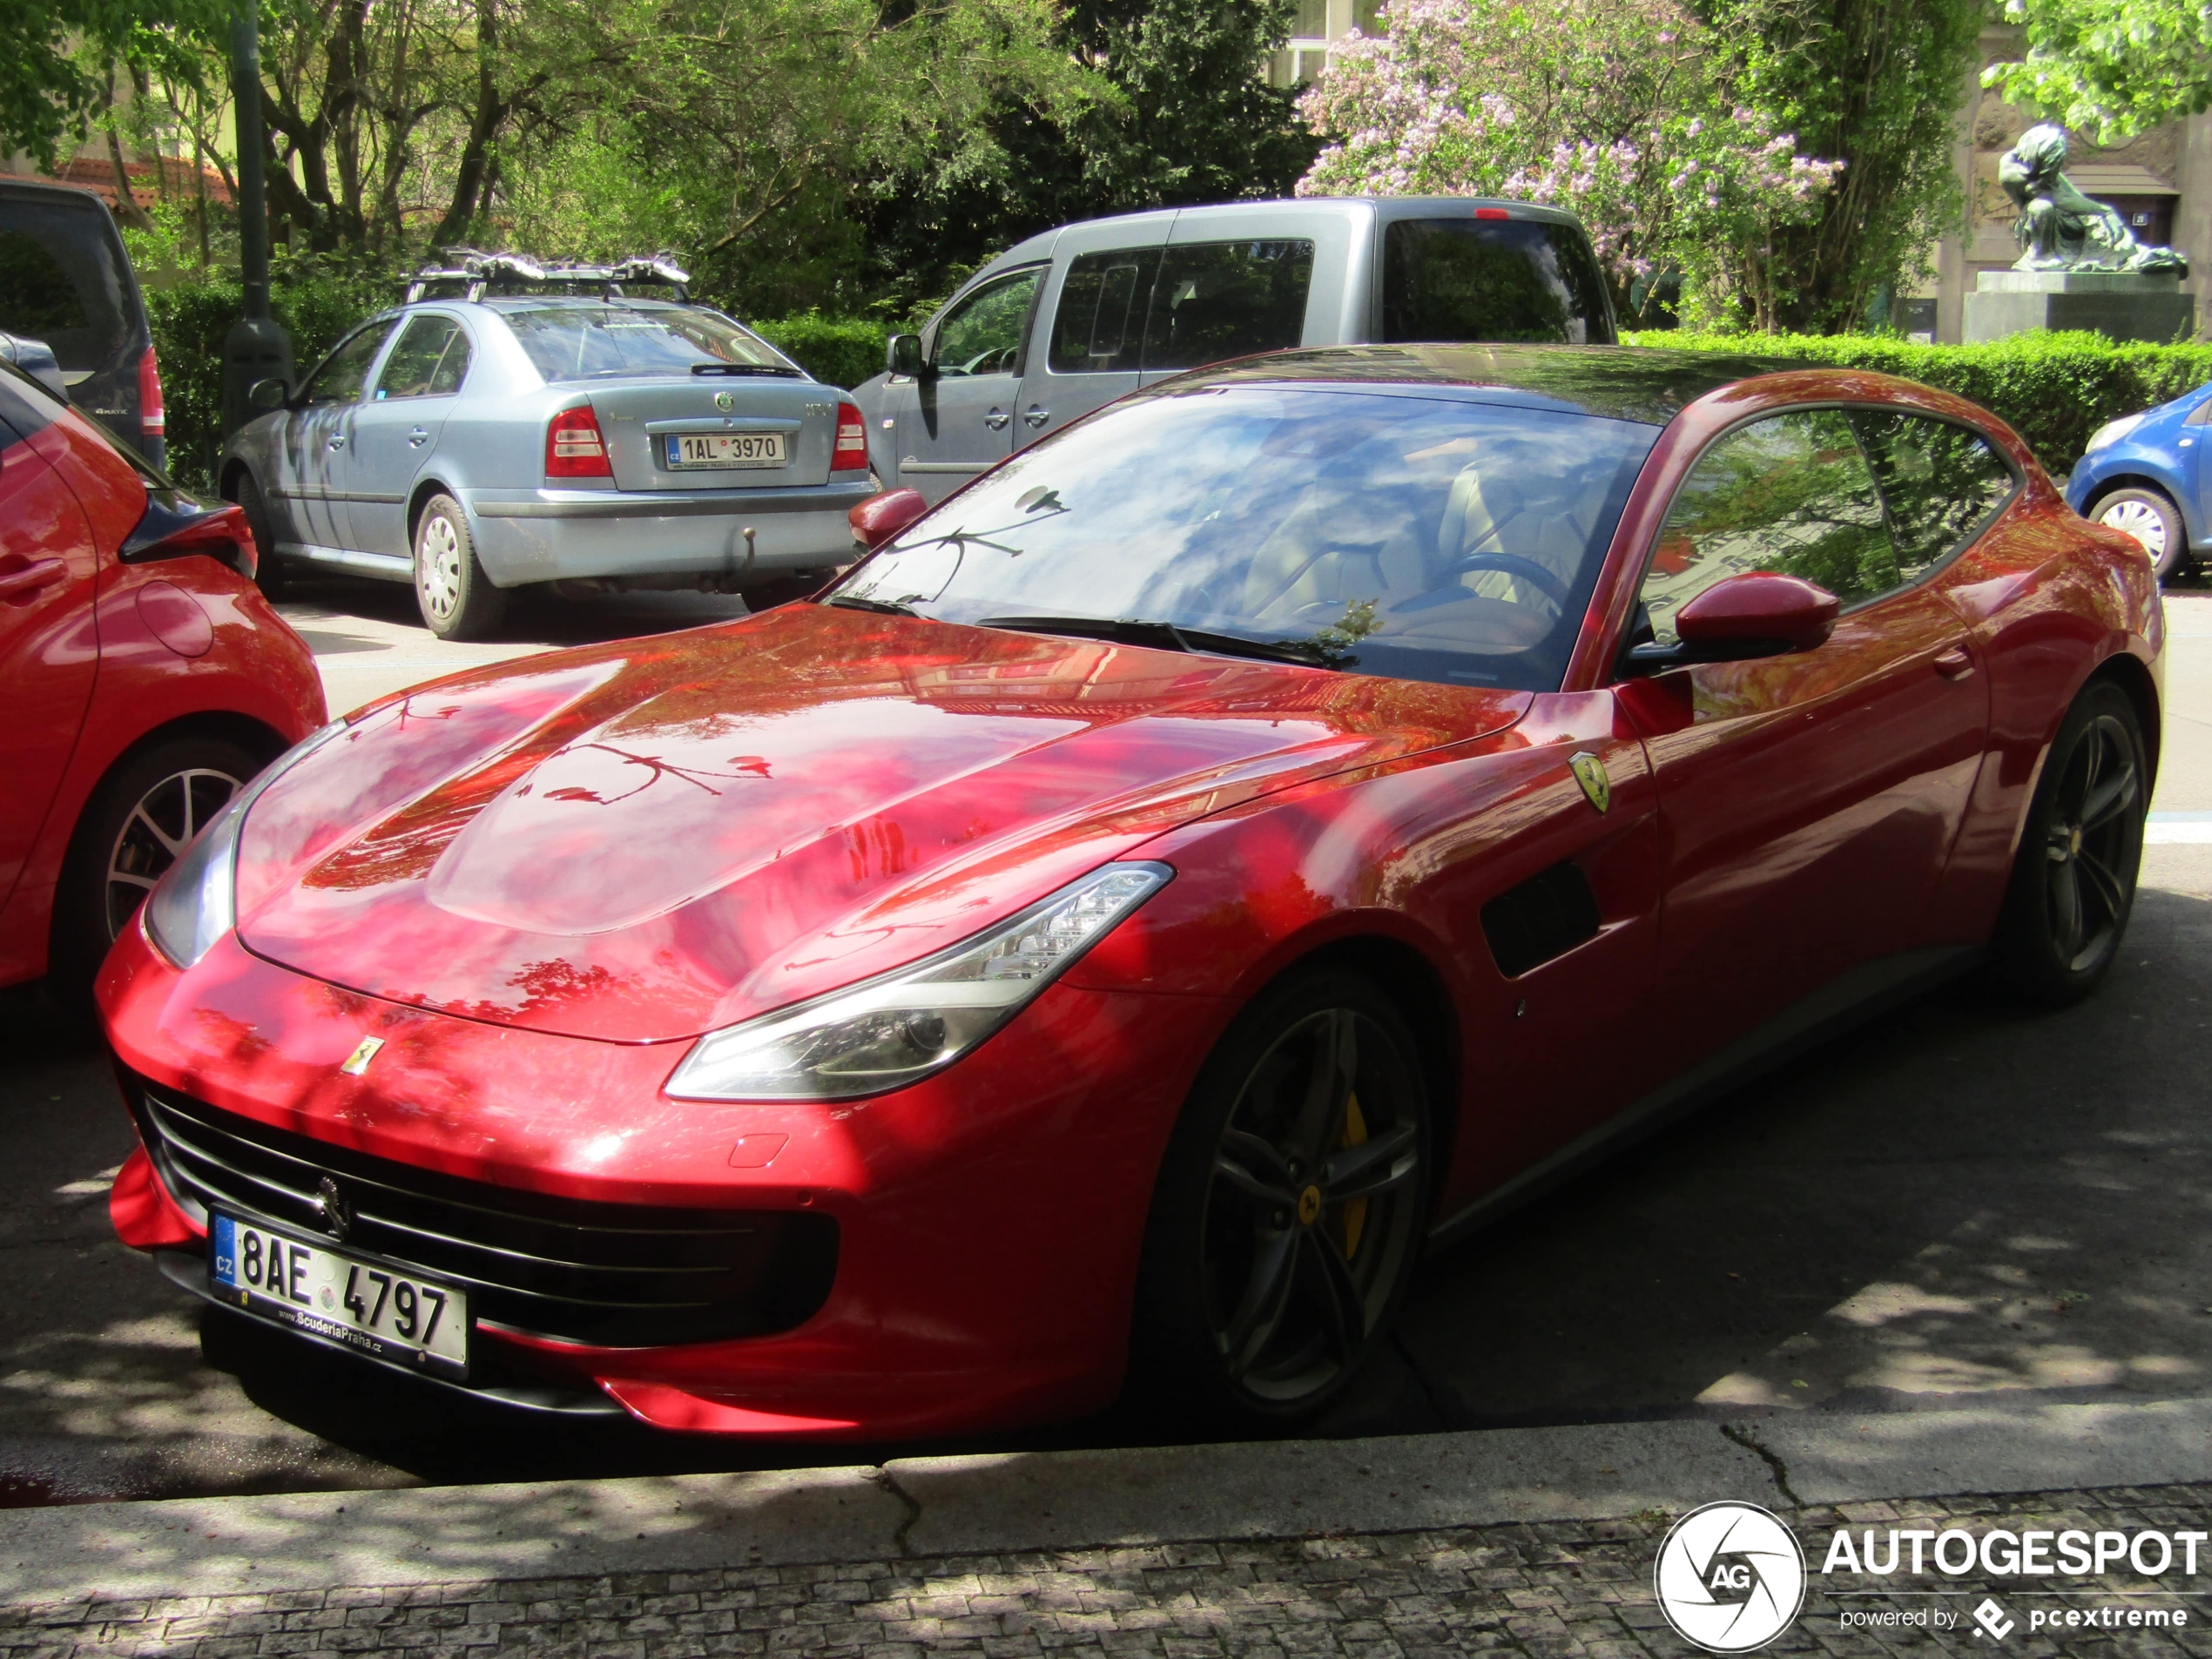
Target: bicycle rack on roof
x,y
476,271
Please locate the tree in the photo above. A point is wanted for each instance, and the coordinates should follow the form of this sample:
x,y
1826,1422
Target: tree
x,y
57,73
1876,85
1619,110
2109,68
1175,109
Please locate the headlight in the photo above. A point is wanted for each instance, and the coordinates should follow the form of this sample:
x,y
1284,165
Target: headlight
x,y
888,1032
191,905
2113,431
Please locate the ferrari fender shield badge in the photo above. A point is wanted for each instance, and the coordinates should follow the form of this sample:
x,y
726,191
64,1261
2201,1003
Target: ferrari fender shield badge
x,y
1589,772
357,1062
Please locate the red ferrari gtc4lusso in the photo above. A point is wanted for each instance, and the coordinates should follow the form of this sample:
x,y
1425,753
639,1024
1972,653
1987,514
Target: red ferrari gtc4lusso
x,y
1230,846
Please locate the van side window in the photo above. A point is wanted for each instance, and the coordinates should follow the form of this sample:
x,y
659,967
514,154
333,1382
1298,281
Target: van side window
x,y
1220,299
1490,279
1100,324
983,333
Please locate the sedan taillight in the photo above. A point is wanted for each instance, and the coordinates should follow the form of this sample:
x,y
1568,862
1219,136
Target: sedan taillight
x,y
153,416
574,448
851,452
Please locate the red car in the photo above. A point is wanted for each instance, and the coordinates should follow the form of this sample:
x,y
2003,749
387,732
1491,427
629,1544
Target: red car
x,y
1233,845
146,678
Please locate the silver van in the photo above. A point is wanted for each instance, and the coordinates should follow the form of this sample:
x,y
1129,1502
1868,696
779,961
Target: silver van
x,y
1073,319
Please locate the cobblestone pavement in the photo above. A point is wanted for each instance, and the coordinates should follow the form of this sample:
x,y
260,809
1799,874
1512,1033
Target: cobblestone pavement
x,y
1553,1589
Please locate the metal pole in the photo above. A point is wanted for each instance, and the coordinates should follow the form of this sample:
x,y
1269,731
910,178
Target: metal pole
x,y
257,348
252,187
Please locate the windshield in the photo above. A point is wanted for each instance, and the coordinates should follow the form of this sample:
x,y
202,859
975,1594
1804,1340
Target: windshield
x,y
581,341
1420,538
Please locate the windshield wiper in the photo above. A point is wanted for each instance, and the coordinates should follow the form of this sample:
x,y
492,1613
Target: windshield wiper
x,y
1168,635
881,607
745,368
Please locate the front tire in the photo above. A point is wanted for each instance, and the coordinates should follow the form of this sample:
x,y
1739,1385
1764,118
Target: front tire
x,y
2073,877
2152,518
142,816
1289,1212
270,573
456,599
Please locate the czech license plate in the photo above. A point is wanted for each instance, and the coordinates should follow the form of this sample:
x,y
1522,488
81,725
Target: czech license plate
x,y
704,450
369,1306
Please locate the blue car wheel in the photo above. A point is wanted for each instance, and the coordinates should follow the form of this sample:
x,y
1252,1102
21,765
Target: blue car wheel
x,y
2151,518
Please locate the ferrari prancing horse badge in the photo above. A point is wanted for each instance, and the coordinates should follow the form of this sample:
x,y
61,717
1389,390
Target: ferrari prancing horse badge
x,y
1589,772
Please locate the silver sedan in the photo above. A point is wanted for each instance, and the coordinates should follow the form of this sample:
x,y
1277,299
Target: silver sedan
x,y
475,446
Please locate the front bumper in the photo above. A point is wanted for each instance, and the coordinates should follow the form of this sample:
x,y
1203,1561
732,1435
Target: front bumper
x,y
526,535
989,1219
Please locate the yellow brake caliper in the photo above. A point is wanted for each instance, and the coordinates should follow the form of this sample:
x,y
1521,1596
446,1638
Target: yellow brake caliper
x,y
1352,1217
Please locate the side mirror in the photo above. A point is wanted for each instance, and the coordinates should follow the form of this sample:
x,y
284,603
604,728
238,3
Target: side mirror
x,y
182,529
902,355
878,518
1756,613
35,358
264,396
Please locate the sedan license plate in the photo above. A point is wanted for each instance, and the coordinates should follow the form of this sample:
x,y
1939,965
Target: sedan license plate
x,y
702,451
371,1307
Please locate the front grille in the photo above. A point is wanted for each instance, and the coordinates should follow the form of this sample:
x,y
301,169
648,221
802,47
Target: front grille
x,y
616,1275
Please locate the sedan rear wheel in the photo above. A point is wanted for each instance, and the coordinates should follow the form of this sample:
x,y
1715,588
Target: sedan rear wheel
x,y
2073,877
1289,1212
2152,520
455,597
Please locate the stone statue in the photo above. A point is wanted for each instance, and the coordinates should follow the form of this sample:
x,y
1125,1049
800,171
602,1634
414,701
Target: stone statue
x,y
2061,229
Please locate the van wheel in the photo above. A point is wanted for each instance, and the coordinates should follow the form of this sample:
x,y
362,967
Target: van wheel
x,y
142,816
1289,1211
457,597
270,572
2073,877
2152,519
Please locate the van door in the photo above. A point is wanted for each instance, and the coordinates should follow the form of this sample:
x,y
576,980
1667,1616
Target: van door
x,y
1084,350
958,419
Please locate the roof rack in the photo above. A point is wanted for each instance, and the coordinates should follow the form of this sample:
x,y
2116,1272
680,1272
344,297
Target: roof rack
x,y
476,271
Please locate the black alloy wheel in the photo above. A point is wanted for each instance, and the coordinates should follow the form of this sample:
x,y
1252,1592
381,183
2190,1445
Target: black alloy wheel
x,y
140,819
1290,1211
2074,878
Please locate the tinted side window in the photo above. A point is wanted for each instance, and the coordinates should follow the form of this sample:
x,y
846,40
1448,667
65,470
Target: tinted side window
x,y
1492,279
982,335
343,373
1100,322
1789,493
61,282
429,362
1214,300
1940,482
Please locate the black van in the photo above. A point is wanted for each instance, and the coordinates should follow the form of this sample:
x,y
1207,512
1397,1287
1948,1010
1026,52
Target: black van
x,y
64,280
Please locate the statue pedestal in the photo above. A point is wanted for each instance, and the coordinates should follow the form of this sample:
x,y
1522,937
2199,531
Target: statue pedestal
x,y
2120,304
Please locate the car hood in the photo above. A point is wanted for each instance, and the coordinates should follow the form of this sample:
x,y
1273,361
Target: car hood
x,y
652,839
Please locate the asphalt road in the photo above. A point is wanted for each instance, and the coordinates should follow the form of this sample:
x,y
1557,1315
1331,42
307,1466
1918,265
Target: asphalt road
x,y
1953,1201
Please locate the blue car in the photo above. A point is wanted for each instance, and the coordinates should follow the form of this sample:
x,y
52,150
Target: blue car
x,y
2141,474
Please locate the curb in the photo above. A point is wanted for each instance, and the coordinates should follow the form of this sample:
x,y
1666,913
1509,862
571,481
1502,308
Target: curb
x,y
999,1504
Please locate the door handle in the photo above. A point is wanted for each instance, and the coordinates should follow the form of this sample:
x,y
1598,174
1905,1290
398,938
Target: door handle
x,y
1955,664
39,573
996,420
338,442
417,438
1035,416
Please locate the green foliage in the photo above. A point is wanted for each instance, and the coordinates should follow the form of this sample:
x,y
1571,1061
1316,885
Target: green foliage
x,y
1174,109
2109,68
54,73
836,350
2054,390
1875,84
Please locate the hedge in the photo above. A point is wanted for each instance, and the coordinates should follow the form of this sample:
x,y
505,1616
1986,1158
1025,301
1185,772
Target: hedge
x,y
2054,390
841,351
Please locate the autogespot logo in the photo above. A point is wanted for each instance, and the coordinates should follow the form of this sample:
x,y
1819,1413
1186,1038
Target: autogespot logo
x,y
1731,1577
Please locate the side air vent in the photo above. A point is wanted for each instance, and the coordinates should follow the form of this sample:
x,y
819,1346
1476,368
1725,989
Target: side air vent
x,y
1546,916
